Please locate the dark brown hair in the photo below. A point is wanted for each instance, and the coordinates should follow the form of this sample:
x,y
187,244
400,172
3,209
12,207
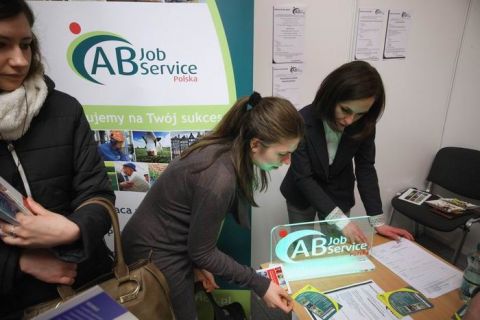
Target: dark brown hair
x,y
13,8
352,81
269,119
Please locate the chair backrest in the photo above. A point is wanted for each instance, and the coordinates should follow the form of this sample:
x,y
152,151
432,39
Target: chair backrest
x,y
457,170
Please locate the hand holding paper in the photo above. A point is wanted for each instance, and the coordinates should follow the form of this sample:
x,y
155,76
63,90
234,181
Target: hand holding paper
x,y
43,229
277,297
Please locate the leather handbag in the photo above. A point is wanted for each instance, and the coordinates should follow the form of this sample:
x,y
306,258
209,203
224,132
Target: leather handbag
x,y
141,287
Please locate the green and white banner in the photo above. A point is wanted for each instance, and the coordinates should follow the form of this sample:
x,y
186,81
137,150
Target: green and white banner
x,y
152,78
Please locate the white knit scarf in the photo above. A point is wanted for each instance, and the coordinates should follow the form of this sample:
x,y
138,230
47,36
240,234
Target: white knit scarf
x,y
19,107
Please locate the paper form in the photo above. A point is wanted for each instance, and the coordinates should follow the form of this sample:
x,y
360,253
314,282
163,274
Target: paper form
x,y
426,273
288,34
360,302
370,32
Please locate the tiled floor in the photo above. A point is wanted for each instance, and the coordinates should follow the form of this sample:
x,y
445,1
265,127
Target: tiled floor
x,y
262,312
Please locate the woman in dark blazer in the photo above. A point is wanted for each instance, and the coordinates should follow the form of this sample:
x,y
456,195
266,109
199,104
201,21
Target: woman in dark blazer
x,y
340,126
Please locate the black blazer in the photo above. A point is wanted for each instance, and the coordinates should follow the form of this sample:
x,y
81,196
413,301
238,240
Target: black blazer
x,y
311,181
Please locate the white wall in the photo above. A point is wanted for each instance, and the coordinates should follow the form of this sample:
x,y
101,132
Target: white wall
x,y
425,92
462,127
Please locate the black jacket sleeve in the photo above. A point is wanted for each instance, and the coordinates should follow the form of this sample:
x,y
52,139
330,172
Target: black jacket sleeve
x,y
367,179
89,180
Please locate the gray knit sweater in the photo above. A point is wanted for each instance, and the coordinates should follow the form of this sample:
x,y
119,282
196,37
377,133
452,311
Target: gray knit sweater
x,y
181,216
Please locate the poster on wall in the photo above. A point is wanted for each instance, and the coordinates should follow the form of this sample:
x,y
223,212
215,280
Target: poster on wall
x,y
287,82
370,31
289,34
396,38
153,78
288,51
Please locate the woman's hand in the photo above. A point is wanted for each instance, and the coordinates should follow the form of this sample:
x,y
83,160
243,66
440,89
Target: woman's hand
x,y
207,279
394,233
43,265
43,229
354,234
277,297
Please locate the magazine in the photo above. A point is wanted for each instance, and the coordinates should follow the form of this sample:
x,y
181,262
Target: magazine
x,y
11,202
275,273
415,196
93,303
452,206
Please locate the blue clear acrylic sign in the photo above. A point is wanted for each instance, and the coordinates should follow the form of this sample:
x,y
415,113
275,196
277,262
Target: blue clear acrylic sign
x,y
318,249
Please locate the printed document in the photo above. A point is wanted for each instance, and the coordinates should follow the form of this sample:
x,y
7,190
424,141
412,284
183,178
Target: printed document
x,y
423,271
360,302
370,33
288,34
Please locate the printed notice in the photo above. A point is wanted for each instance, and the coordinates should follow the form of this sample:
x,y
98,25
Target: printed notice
x,y
360,302
370,31
428,274
287,81
288,34
396,39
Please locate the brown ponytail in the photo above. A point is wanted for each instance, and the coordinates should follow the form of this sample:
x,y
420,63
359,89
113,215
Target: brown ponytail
x,y
269,119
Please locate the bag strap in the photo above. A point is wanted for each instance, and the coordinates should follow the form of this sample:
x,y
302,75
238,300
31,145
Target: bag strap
x,y
120,268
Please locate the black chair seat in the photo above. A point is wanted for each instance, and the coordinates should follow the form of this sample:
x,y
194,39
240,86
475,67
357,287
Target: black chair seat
x,y
424,215
457,171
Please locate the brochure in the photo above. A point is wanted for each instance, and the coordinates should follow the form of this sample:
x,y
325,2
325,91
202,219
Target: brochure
x,y
11,202
415,196
275,273
452,206
93,303
404,301
322,306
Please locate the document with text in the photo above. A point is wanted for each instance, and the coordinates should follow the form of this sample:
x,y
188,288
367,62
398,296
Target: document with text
x,y
423,271
360,302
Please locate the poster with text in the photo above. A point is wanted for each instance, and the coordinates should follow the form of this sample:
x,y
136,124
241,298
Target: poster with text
x,y
152,78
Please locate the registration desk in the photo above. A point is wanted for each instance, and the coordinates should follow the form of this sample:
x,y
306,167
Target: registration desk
x,y
444,306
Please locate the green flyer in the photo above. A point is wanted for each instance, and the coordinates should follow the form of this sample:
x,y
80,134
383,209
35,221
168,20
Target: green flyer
x,y
404,301
317,302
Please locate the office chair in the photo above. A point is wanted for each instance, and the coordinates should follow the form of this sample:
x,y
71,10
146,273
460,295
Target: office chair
x,y
456,170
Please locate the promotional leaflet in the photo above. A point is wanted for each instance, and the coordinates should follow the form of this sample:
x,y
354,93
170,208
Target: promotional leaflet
x,y
415,196
275,273
94,303
317,302
404,301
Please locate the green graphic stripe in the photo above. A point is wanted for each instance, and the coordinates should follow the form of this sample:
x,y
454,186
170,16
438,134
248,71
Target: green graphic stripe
x,y
156,118
222,39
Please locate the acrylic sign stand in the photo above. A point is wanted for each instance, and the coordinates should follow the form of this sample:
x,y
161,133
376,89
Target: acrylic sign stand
x,y
318,249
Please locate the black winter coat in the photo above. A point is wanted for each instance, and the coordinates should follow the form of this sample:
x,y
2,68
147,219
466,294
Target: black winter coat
x,y
63,168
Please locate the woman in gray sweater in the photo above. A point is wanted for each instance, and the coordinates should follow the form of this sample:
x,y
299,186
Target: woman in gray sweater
x,y
180,218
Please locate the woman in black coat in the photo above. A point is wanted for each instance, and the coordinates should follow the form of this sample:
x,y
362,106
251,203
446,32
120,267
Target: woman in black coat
x,y
47,152
339,128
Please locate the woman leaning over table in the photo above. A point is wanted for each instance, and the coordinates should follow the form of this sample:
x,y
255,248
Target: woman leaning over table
x,y
181,216
340,131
